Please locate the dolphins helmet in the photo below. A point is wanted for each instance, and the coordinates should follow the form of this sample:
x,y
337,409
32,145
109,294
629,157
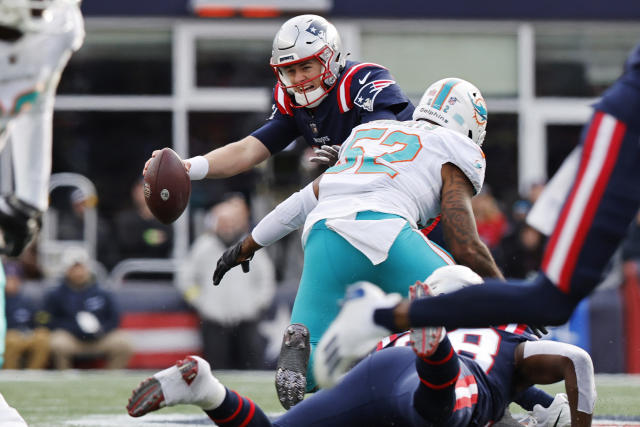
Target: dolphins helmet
x,y
455,104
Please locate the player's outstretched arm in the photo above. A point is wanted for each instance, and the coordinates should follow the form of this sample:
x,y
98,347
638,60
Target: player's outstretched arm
x,y
223,162
547,362
459,224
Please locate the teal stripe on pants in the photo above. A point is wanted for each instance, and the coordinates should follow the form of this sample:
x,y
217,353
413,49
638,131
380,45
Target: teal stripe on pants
x,y
331,264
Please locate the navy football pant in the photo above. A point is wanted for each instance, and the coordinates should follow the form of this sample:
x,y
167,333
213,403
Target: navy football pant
x,y
603,201
382,390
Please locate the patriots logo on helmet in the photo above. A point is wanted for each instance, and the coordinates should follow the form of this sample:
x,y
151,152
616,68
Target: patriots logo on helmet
x,y
480,110
367,94
317,29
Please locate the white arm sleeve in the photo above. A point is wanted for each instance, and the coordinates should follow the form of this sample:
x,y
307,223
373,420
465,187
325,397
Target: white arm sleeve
x,y
286,217
581,364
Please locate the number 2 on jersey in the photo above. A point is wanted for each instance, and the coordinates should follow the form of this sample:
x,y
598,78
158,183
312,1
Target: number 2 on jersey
x,y
360,152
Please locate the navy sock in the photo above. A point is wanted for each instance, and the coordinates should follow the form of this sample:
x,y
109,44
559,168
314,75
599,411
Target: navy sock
x,y
435,398
237,410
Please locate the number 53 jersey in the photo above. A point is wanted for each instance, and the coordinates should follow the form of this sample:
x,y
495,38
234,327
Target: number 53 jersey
x,y
395,167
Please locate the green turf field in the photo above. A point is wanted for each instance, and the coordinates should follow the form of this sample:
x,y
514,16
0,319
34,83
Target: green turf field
x,y
98,398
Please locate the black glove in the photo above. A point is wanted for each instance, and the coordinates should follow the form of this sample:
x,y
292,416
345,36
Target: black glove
x,y
19,224
227,261
539,331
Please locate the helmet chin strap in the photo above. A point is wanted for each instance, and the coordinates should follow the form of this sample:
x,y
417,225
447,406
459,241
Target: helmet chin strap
x,y
303,98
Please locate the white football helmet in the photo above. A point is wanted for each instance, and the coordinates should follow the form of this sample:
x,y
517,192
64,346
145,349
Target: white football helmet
x,y
27,15
302,38
455,104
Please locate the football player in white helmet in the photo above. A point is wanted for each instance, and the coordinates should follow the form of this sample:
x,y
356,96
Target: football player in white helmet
x,y
308,59
36,41
37,37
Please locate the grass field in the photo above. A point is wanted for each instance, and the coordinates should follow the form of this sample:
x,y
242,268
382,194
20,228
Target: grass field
x,y
98,398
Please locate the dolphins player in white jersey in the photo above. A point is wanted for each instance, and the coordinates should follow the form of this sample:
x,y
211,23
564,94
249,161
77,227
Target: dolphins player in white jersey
x,y
37,38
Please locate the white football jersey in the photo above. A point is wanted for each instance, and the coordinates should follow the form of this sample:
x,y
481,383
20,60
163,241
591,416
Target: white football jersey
x,y
30,69
395,167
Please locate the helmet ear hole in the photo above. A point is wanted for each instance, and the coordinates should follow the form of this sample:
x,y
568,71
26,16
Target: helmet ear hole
x,y
470,135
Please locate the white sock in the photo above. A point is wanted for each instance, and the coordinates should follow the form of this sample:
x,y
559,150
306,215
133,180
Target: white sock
x,y
205,391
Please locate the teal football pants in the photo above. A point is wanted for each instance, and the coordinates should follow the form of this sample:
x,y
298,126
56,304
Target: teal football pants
x,y
331,264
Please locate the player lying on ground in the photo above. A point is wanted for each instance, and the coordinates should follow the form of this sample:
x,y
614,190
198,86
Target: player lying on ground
x,y
600,205
422,385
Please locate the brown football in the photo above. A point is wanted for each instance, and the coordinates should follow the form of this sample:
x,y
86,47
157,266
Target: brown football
x,y
167,186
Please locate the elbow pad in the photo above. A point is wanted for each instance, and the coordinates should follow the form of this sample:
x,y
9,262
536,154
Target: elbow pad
x,y
286,217
581,364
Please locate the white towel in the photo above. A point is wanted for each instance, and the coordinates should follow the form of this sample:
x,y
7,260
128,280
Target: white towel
x,y
371,237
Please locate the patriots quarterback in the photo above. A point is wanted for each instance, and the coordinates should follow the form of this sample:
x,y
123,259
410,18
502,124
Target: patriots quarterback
x,y
319,95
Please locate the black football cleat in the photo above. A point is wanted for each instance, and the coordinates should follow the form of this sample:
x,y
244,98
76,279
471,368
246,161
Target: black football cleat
x,y
19,224
291,374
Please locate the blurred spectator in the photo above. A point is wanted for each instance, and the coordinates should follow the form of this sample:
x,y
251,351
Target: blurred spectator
x,y
491,222
230,312
522,251
26,341
83,317
138,233
71,227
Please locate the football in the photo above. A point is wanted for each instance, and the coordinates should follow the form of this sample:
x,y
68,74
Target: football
x,y
167,186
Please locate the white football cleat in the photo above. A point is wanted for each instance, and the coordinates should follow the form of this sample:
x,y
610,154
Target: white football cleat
x,y
353,334
424,340
189,381
558,414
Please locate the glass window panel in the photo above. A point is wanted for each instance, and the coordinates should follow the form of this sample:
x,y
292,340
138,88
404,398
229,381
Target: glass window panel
x,y
501,150
233,63
580,60
120,62
209,130
561,139
416,60
109,148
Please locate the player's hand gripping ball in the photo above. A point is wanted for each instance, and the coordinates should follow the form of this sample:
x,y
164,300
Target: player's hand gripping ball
x,y
167,186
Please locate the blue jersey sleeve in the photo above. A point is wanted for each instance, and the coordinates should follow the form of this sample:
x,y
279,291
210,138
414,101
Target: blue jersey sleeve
x,y
280,128
371,89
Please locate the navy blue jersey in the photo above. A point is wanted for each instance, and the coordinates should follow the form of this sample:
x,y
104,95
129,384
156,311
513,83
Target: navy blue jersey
x,y
486,379
364,92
